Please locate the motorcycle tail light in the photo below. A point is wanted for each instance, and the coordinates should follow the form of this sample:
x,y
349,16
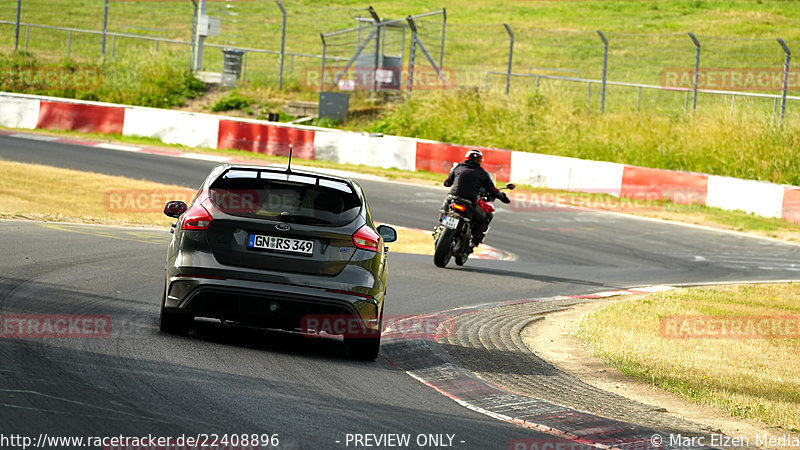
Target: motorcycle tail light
x,y
459,207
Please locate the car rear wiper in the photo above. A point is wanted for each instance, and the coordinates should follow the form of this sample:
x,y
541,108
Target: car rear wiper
x,y
286,217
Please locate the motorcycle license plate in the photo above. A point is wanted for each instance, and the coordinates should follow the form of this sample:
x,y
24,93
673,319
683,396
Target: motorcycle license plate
x,y
450,222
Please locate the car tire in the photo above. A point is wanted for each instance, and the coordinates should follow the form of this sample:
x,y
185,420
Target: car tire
x,y
366,349
171,322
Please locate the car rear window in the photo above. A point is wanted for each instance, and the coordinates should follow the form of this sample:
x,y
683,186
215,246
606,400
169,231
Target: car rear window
x,y
285,197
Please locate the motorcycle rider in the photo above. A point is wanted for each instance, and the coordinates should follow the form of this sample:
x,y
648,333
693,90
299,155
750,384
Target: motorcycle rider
x,y
466,181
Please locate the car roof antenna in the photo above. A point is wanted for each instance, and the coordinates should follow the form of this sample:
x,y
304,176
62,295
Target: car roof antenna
x,y
289,166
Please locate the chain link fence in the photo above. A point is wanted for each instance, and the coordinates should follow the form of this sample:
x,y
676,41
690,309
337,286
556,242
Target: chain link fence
x,y
652,71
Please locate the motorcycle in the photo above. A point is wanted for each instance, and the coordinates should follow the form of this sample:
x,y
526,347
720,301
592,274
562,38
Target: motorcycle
x,y
452,237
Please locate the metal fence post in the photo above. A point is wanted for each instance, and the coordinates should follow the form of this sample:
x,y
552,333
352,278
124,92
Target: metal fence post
x,y
105,29
322,69
510,56
639,100
16,30
786,62
588,93
377,62
605,71
774,108
411,52
199,37
283,42
444,30
696,70
27,35
194,35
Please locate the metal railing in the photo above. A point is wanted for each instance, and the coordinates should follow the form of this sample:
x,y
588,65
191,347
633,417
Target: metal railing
x,y
590,53
640,86
157,40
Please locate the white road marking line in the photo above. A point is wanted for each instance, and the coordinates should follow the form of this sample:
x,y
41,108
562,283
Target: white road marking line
x,y
204,157
119,147
35,137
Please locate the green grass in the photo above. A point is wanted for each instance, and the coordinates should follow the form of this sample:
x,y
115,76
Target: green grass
x,y
645,37
744,146
749,378
232,100
146,80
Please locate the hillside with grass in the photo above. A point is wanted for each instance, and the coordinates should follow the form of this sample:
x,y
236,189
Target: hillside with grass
x,y
727,135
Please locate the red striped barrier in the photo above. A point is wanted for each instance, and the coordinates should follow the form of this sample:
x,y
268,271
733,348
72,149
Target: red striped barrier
x,y
651,184
439,158
636,182
267,139
791,204
81,117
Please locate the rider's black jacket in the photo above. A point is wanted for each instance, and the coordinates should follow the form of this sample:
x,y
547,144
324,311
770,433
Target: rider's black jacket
x,y
468,178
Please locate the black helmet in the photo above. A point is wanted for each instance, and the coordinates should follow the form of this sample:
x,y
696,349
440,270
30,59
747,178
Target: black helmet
x,y
473,155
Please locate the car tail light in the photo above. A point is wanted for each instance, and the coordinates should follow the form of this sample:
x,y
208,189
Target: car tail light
x,y
459,207
367,239
196,218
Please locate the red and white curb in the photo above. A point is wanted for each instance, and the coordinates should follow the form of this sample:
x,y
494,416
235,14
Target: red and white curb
x,y
635,291
177,153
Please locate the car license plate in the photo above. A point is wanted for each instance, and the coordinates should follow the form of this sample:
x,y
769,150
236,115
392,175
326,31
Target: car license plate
x,y
281,244
450,222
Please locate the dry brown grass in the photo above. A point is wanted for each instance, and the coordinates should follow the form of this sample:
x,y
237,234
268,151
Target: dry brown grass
x,y
31,191
754,378
64,195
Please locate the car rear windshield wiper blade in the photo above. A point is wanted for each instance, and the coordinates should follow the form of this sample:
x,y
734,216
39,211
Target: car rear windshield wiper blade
x,y
286,217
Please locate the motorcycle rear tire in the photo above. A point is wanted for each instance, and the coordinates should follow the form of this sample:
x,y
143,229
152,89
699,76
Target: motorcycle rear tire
x,y
461,259
444,248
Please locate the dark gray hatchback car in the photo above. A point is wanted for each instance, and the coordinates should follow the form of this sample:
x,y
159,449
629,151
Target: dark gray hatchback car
x,y
276,248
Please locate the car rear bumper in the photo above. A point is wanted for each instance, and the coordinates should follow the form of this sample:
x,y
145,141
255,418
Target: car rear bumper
x,y
268,305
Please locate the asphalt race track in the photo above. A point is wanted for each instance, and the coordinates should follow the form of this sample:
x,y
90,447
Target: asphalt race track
x,y
307,391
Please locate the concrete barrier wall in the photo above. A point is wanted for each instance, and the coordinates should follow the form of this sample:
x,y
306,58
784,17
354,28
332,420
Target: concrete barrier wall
x,y
172,127
18,112
358,148
759,198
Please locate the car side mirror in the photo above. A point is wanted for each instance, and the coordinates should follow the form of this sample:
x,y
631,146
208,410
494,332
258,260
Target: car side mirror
x,y
511,186
388,233
175,208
